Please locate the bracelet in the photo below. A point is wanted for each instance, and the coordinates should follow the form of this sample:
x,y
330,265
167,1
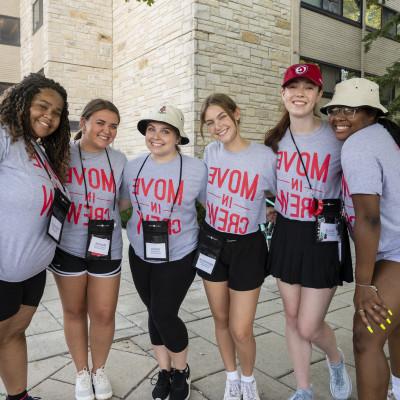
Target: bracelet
x,y
373,287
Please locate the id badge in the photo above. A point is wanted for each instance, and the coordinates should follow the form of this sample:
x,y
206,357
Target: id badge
x,y
59,211
208,252
328,229
155,240
99,240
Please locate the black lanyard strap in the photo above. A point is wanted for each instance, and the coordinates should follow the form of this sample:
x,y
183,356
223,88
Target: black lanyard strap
x,y
40,155
301,159
177,191
84,177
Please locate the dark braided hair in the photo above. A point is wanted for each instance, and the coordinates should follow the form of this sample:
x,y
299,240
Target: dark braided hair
x,y
15,106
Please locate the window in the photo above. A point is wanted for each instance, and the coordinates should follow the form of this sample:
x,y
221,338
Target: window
x,y
373,16
9,31
37,9
387,15
349,9
4,86
332,74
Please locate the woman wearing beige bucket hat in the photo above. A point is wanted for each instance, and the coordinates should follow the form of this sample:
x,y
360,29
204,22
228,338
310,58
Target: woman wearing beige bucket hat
x,y
163,186
371,190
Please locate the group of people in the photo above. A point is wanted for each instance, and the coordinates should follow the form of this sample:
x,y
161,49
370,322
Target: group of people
x,y
60,201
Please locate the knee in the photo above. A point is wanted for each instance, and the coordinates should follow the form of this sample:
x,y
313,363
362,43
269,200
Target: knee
x,y
363,341
291,320
75,313
102,316
242,334
307,331
221,321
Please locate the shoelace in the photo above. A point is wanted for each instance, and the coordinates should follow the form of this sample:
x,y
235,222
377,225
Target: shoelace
x,y
248,390
156,376
101,376
234,388
338,376
84,379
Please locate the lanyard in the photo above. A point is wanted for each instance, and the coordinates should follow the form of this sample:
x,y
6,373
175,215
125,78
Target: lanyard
x,y
38,150
177,191
301,159
84,178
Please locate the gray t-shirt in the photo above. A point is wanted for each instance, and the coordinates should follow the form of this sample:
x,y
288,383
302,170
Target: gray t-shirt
x,y
371,165
100,196
26,197
320,152
156,188
236,187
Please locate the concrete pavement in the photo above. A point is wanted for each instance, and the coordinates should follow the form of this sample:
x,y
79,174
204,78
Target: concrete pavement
x,y
131,363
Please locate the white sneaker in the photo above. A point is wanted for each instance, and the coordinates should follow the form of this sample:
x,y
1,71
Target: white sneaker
x,y
83,386
232,390
340,382
102,385
249,390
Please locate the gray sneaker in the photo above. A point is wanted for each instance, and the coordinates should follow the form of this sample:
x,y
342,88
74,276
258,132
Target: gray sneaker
x,y
303,394
340,382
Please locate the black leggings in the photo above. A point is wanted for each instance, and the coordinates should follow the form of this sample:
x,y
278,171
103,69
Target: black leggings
x,y
162,288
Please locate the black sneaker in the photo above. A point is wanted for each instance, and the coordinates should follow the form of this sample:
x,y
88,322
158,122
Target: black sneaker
x,y
162,386
180,385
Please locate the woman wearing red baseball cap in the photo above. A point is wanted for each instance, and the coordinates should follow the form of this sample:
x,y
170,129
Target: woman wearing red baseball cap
x,y
310,253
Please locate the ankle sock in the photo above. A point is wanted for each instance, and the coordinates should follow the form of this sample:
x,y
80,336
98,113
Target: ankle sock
x,y
396,387
19,396
232,375
247,378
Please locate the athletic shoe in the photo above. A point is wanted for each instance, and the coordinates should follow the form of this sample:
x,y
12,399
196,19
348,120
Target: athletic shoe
x,y
162,386
102,385
83,386
340,382
302,394
249,390
233,390
180,384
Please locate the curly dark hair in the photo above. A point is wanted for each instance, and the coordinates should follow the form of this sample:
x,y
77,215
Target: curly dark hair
x,y
15,106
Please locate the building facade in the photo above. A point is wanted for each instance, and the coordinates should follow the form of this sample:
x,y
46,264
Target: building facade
x,y
179,52
9,44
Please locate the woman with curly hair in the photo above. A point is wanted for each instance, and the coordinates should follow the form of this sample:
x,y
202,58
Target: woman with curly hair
x,y
34,154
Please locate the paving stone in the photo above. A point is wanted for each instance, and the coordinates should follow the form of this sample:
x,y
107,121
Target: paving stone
x,y
272,355
127,332
268,308
43,321
121,322
129,346
53,389
124,368
130,304
50,293
204,358
342,317
197,301
274,322
320,380
213,387
46,345
55,308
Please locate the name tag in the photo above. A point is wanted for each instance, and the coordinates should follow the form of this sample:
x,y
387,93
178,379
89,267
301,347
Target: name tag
x,y
59,211
328,231
206,263
156,251
99,246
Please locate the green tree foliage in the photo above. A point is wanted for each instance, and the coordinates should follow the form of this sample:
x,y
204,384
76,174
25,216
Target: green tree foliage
x,y
391,78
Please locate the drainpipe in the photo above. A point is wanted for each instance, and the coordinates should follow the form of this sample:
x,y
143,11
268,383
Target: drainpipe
x,y
363,33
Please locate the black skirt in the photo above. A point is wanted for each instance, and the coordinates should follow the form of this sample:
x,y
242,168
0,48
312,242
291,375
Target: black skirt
x,y
297,258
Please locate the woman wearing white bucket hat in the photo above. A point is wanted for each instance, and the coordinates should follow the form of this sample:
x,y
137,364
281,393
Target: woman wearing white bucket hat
x,y
163,187
371,190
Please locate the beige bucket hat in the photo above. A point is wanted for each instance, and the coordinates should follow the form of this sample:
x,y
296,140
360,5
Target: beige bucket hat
x,y
169,115
356,92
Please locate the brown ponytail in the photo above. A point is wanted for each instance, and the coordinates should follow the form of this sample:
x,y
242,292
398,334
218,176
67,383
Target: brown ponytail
x,y
275,134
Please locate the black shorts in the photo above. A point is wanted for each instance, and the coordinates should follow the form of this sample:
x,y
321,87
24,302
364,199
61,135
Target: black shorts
x,y
15,294
297,258
65,264
242,261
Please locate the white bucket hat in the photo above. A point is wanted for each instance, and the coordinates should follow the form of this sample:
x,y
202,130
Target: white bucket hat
x,y
168,115
356,92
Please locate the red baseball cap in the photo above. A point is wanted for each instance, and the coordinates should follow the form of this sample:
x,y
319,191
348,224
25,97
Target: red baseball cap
x,y
306,71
